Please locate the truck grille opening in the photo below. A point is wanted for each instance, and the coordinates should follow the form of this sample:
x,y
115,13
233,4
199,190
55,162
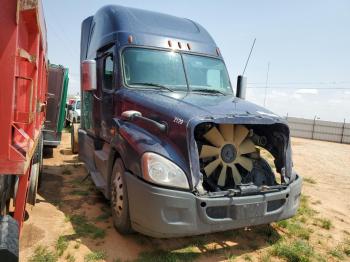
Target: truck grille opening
x,y
232,155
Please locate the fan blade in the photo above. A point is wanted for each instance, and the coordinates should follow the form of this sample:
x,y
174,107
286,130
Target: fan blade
x,y
208,151
222,177
245,162
214,137
247,147
240,134
209,169
227,132
235,173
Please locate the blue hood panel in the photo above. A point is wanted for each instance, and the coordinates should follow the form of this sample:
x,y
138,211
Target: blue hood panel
x,y
189,106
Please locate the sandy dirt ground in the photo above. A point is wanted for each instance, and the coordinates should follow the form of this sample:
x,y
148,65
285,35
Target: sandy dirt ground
x,y
66,200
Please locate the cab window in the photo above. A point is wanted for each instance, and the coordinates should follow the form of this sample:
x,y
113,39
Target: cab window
x,y
108,68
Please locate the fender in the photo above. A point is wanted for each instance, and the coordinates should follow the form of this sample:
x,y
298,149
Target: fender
x,y
132,141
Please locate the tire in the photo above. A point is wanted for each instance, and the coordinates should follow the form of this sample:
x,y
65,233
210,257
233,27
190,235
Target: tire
x,y
119,199
9,239
40,157
35,174
6,186
74,138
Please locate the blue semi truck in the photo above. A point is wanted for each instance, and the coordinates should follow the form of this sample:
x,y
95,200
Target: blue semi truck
x,y
165,138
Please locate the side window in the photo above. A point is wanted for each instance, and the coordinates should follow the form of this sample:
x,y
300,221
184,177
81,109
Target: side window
x,y
108,66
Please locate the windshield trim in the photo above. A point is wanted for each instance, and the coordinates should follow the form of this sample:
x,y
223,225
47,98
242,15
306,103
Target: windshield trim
x,y
181,53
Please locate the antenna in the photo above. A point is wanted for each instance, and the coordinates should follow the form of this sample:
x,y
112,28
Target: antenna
x,y
251,50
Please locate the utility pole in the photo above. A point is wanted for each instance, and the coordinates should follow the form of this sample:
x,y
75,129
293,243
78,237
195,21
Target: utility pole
x,y
267,79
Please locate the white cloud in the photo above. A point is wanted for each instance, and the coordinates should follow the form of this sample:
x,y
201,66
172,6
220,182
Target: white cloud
x,y
335,101
307,91
278,93
297,96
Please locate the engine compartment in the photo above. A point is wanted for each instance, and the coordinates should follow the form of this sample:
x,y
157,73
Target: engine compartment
x,y
243,157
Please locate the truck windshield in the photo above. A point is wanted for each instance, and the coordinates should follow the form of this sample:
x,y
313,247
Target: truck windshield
x,y
77,106
156,69
206,74
153,69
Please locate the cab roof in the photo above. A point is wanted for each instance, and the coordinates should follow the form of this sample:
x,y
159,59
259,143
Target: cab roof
x,y
115,23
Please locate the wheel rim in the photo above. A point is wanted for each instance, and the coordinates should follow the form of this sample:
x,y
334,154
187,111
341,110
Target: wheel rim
x,y
118,194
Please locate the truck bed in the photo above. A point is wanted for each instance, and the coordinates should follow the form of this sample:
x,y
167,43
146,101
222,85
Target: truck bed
x,y
23,71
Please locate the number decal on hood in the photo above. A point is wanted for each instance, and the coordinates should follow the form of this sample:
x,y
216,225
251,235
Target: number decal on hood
x,y
178,120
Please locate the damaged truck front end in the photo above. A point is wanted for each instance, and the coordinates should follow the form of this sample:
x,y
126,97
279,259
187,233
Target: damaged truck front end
x,y
240,175
164,137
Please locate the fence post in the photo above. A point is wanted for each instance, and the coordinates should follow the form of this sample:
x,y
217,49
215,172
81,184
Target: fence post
x,y
342,133
313,128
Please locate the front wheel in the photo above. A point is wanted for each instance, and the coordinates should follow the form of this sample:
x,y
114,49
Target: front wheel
x,y
119,199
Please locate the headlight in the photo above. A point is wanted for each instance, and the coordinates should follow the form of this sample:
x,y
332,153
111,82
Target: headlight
x,y
159,170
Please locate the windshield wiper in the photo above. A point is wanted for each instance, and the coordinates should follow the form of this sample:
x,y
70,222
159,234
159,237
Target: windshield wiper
x,y
153,84
212,91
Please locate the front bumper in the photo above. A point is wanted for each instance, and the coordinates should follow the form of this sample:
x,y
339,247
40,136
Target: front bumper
x,y
165,213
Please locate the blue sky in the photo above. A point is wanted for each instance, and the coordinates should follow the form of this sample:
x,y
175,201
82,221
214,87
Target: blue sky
x,y
307,44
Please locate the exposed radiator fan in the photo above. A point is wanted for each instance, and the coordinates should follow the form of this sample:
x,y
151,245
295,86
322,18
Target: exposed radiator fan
x,y
229,147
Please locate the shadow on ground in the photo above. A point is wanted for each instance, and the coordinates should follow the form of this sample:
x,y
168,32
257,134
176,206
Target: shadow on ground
x,y
65,186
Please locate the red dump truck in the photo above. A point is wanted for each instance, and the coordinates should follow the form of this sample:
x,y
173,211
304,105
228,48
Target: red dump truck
x,y
23,91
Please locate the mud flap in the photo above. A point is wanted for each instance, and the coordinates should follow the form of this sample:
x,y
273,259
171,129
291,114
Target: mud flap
x,y
9,236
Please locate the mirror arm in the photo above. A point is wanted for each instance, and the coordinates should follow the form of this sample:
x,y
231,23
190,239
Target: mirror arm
x,y
97,98
161,126
135,115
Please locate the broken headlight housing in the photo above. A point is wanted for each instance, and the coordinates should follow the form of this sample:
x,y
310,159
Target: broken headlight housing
x,y
159,170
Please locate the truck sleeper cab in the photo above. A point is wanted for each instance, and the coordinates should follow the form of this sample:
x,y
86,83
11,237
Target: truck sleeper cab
x,y
164,137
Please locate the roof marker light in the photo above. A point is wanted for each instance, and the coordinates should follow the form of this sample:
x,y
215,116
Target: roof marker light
x,y
188,46
130,39
179,44
169,43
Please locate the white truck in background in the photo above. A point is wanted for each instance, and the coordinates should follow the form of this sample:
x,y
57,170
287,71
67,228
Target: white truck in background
x,y
72,112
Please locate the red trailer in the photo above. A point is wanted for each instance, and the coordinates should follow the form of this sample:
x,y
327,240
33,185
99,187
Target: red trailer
x,y
23,91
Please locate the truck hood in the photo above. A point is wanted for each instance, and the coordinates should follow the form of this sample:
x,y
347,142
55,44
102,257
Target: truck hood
x,y
196,105
183,112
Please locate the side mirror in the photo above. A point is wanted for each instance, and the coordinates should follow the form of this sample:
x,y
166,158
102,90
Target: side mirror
x,y
70,107
88,75
241,86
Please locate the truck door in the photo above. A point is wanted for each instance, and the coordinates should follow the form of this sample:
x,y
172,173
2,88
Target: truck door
x,y
106,87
